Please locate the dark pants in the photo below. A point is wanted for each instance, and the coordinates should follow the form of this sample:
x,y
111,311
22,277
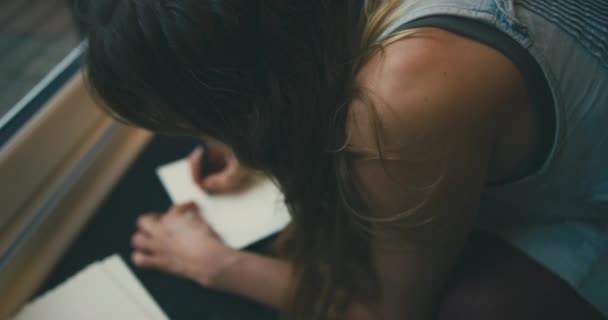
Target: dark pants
x,y
493,280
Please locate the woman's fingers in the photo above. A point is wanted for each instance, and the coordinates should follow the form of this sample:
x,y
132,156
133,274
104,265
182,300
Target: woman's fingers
x,y
226,180
179,242
222,173
217,155
218,182
143,242
145,260
189,208
149,223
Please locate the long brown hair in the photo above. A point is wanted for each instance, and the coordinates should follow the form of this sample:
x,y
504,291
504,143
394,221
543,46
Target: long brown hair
x,y
273,79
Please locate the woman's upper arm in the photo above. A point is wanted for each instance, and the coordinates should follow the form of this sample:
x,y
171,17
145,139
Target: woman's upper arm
x,y
427,143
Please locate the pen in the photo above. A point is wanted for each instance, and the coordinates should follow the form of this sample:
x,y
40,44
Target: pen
x,y
204,165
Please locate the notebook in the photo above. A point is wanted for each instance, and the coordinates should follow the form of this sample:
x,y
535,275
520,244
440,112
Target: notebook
x,y
103,290
240,219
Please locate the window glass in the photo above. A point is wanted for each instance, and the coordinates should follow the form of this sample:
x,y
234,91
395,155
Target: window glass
x,y
35,36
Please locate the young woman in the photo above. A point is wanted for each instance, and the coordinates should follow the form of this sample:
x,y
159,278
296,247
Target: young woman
x,y
394,128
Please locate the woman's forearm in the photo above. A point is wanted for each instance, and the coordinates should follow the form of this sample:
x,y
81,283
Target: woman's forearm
x,y
263,279
267,280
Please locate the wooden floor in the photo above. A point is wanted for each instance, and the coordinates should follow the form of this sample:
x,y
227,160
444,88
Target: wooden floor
x,y
34,36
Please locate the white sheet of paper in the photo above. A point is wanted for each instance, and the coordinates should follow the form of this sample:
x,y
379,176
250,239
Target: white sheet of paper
x,y
240,219
95,294
119,272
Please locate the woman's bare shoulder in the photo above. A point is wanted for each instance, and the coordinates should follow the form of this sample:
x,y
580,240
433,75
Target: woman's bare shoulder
x,y
432,80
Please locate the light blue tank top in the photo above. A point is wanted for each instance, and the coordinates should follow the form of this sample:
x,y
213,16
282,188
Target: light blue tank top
x,y
559,213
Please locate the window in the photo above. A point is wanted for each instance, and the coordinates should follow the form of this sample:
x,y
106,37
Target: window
x,y
36,39
59,153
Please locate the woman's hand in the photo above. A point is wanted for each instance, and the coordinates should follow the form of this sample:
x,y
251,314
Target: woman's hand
x,y
182,243
223,171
